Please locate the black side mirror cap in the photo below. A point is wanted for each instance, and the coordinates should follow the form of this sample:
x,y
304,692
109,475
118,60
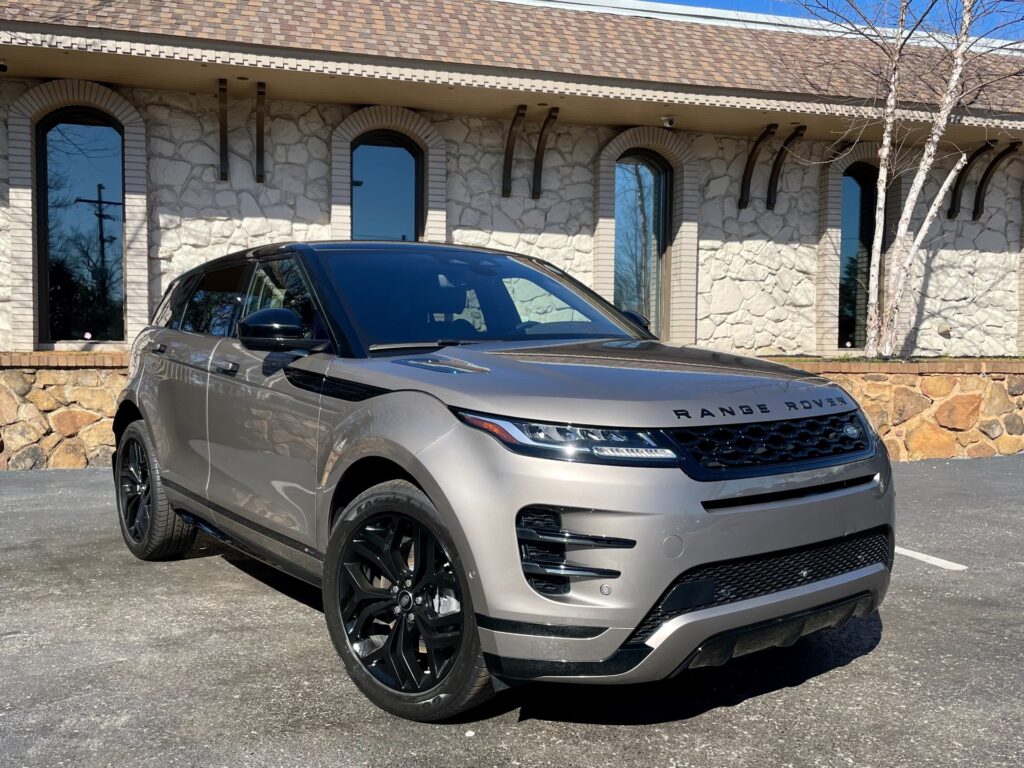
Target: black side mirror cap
x,y
637,319
276,329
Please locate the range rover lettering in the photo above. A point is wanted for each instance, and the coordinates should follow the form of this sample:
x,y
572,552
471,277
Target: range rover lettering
x,y
493,475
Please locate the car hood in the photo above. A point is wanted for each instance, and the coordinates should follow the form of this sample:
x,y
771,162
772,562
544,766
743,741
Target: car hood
x,y
604,383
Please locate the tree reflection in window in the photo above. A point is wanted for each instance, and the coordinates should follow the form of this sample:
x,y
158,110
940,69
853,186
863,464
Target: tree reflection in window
x,y
642,181
857,224
81,226
387,187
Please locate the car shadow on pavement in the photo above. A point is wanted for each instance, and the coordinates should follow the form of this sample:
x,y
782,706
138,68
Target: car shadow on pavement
x,y
689,695
693,692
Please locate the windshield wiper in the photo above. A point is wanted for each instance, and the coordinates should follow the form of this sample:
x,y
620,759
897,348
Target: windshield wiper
x,y
439,344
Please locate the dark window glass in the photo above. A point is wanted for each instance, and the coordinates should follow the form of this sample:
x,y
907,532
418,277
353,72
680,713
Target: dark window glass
x,y
279,284
387,187
215,304
642,183
857,231
398,297
168,314
80,174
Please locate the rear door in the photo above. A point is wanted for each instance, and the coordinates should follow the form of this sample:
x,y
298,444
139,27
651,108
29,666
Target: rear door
x,y
180,358
264,412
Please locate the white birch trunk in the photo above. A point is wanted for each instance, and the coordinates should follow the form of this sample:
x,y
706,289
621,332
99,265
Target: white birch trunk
x,y
899,282
882,187
903,248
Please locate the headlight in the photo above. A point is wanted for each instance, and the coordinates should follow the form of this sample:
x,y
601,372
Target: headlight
x,y
571,443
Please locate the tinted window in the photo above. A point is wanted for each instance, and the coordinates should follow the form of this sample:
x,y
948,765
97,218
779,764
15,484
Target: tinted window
x,y
396,297
857,222
168,314
215,304
280,284
641,218
387,187
80,173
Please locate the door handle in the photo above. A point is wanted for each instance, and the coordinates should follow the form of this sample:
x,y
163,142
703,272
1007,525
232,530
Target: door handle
x,y
225,366
157,349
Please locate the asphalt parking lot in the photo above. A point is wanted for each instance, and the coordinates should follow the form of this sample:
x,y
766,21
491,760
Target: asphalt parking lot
x,y
218,661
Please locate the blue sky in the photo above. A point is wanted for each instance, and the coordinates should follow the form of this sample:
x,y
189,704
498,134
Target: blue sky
x,y
776,7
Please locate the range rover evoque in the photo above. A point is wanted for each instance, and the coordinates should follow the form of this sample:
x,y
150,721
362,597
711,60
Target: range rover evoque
x,y
492,473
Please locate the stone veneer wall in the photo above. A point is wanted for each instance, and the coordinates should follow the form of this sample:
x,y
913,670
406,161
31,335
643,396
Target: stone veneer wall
x,y
756,268
59,416
940,410
56,413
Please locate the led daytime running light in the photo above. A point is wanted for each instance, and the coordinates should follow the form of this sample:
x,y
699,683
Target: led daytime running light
x,y
567,442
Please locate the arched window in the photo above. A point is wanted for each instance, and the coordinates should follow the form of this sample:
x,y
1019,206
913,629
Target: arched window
x,y
80,214
387,187
857,224
643,181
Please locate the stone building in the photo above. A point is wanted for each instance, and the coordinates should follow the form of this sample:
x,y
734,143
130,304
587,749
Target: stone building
x,y
693,165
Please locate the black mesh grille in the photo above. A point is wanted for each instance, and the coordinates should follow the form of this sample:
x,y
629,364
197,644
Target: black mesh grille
x,y
734,580
730,450
541,519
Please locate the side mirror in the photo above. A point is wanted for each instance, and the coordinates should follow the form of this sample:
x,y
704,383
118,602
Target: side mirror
x,y
637,319
275,330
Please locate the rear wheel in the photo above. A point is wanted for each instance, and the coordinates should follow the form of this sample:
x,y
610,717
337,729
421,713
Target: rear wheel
x,y
150,528
398,606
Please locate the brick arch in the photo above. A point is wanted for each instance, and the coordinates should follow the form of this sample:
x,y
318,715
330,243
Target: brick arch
x,y
680,273
830,188
24,113
414,126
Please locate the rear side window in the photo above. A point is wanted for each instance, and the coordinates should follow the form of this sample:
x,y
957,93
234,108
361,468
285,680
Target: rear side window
x,y
168,314
216,303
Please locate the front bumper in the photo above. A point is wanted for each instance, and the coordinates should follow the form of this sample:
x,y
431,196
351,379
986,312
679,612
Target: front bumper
x,y
588,635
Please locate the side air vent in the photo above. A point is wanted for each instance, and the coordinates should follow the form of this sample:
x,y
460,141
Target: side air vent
x,y
544,546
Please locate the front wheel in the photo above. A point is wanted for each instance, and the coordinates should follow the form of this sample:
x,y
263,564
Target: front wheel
x,y
151,529
398,607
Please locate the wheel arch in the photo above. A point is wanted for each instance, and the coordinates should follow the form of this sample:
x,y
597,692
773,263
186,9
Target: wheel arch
x,y
391,462
127,412
361,475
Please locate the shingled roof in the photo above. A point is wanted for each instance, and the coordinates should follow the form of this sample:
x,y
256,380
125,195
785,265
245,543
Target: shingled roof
x,y
517,38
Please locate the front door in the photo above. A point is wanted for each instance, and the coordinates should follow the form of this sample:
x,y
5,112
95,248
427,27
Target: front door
x,y
178,359
263,420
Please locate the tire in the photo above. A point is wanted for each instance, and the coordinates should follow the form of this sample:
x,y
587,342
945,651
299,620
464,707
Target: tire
x,y
377,622
151,529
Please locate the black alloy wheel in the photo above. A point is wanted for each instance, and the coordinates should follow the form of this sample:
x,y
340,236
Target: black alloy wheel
x,y
151,528
401,604
135,489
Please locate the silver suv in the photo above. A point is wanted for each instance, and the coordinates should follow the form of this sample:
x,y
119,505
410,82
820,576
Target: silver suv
x,y
493,474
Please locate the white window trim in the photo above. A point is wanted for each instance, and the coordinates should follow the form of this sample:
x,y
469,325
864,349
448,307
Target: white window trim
x,y
24,113
830,184
679,324
408,123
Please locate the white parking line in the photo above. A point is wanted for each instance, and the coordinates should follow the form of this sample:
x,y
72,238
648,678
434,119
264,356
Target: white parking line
x,y
949,566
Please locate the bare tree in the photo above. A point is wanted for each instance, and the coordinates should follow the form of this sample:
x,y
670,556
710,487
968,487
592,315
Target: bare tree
x,y
933,62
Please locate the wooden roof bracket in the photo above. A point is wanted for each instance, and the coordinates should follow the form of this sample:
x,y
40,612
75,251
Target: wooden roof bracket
x,y
780,160
261,113
222,116
748,171
986,177
510,148
538,159
958,186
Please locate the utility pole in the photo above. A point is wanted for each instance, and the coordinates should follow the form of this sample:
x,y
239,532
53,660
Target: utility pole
x,y
102,277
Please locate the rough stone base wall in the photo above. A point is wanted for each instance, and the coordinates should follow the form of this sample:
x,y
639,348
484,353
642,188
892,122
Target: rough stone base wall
x,y
62,417
57,418
942,416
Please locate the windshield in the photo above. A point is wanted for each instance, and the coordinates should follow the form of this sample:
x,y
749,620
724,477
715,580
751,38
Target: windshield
x,y
397,297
